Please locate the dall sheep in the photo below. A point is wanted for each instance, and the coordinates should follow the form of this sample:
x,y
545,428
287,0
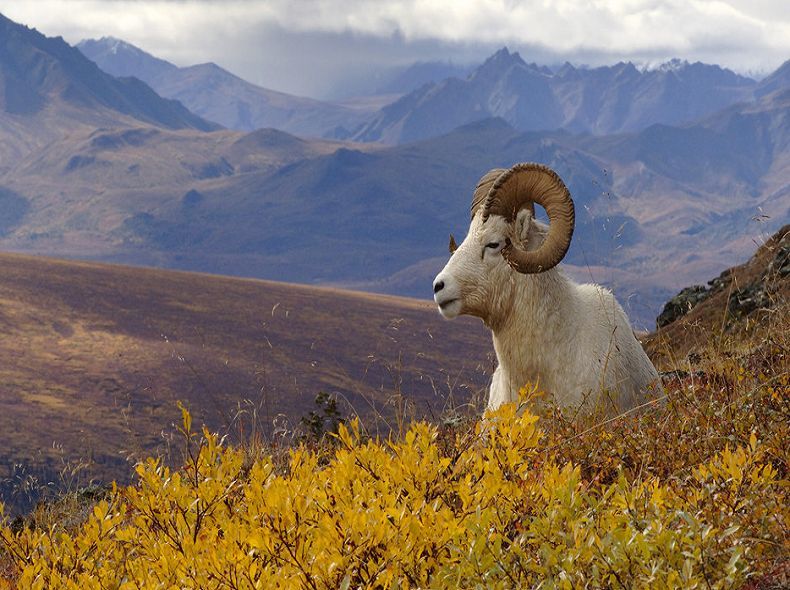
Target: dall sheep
x,y
574,341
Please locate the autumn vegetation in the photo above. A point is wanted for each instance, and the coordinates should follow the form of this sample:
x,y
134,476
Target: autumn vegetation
x,y
688,491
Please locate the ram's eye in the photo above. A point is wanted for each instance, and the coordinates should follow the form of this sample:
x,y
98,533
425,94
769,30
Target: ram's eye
x,y
492,245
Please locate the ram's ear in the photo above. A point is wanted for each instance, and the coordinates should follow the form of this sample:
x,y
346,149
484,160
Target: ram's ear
x,y
452,246
523,225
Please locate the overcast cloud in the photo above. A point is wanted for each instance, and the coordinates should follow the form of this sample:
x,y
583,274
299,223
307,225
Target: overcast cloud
x,y
307,46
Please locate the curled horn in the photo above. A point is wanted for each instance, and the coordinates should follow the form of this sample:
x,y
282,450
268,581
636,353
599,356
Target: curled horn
x,y
522,186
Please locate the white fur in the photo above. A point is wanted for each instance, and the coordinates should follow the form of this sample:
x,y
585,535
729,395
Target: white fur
x,y
573,340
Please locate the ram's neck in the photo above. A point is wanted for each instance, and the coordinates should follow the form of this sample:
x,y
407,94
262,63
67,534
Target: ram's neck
x,y
537,322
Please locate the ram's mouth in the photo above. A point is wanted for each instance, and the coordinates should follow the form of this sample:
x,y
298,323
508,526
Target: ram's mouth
x,y
444,304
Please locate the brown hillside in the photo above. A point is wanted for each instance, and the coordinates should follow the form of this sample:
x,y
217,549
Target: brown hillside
x,y
93,357
743,304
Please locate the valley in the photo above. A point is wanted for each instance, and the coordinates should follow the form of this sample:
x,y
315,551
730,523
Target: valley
x,y
95,358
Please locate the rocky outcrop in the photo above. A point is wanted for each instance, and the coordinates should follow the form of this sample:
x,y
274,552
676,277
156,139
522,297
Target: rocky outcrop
x,y
755,287
681,304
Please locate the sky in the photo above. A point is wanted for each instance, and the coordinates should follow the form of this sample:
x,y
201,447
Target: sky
x,y
331,48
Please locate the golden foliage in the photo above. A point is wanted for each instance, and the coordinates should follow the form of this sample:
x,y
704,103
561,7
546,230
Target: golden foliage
x,y
495,506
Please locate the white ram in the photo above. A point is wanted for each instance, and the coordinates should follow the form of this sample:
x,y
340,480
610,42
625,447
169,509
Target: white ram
x,y
573,340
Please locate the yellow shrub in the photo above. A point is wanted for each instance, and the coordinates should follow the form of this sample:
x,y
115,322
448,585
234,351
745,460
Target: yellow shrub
x,y
494,509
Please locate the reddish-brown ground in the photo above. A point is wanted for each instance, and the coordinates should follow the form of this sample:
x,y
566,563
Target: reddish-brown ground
x,y
93,359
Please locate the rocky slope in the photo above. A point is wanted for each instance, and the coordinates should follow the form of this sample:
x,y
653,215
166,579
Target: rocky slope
x,y
750,298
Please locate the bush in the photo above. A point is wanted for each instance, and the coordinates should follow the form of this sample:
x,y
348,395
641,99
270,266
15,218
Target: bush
x,y
494,505
690,493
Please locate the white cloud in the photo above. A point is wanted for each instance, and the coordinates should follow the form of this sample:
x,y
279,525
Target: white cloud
x,y
311,39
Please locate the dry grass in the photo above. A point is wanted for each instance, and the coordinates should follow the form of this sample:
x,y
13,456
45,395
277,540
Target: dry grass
x,y
94,358
716,327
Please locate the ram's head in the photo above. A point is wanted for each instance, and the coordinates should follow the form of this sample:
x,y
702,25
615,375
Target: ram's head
x,y
504,238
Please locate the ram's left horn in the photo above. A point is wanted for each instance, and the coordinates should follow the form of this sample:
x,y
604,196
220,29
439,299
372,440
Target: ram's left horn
x,y
520,187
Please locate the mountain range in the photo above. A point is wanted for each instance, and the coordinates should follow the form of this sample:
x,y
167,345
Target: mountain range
x,y
216,94
436,98
658,206
48,90
604,100
41,73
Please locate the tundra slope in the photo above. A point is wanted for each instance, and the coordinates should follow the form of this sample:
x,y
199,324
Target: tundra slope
x,y
573,340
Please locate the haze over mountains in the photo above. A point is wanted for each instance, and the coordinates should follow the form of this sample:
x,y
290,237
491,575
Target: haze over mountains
x,y
218,95
668,169
48,90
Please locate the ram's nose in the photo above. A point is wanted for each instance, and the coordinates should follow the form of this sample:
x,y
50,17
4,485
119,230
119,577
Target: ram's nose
x,y
438,285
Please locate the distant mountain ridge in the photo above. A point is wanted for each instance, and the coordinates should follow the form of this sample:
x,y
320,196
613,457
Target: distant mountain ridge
x,y
604,100
777,80
656,208
122,59
49,91
36,71
216,94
